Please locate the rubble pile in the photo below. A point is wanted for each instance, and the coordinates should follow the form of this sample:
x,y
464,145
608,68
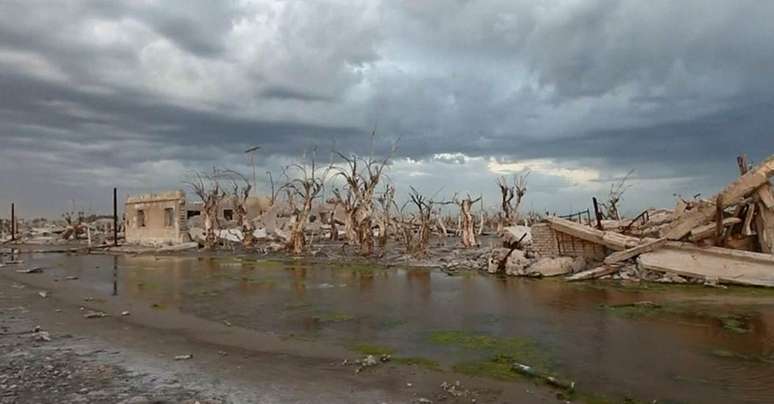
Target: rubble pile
x,y
728,238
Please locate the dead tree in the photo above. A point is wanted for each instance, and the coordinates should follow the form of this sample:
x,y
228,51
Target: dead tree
x,y
361,177
75,226
467,226
508,192
345,200
617,190
301,191
206,185
273,191
439,220
240,192
415,227
384,216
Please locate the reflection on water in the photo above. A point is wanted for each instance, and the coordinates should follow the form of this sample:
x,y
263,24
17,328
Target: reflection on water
x,y
675,354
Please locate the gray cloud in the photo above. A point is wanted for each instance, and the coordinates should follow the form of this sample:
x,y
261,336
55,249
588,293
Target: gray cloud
x,y
135,94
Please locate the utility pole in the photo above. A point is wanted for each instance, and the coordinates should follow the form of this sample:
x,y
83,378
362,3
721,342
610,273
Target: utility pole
x,y
13,222
115,217
252,151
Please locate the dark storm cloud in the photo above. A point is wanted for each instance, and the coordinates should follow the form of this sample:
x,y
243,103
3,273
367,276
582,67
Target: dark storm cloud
x,y
671,89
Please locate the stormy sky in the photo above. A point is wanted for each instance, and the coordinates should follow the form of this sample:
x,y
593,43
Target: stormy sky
x,y
138,93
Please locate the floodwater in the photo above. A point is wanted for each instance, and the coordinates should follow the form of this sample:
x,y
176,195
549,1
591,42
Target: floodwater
x,y
701,345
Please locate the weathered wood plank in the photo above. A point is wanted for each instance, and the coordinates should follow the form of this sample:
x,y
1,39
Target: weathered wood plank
x,y
597,272
766,195
647,246
764,224
730,195
708,230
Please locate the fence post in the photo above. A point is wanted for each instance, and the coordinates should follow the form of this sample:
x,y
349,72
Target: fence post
x,y
597,213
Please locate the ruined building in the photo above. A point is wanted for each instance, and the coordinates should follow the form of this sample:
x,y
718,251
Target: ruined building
x,y
156,218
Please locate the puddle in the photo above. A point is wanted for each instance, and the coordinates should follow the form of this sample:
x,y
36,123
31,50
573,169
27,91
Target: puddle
x,y
686,344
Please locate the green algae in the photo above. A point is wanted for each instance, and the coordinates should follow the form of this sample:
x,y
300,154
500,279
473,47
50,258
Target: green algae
x,y
724,354
372,349
517,348
735,320
417,361
498,367
334,317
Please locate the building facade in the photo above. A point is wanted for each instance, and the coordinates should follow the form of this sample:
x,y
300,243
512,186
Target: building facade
x,y
156,218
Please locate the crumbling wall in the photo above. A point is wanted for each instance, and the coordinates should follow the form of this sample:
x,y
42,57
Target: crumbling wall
x,y
146,220
550,243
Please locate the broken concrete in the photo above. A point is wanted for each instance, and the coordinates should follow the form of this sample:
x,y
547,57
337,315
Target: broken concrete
x,y
556,266
726,265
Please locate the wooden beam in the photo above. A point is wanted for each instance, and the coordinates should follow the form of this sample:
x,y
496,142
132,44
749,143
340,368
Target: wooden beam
x,y
766,196
708,230
635,251
730,195
748,217
764,224
597,272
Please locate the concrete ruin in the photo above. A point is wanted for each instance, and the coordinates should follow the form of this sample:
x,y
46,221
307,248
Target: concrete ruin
x,y
552,243
155,219
256,206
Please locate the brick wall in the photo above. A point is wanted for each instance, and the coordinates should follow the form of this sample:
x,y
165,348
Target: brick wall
x,y
550,243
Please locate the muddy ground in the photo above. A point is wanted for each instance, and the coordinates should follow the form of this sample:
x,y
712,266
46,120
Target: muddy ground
x,y
131,358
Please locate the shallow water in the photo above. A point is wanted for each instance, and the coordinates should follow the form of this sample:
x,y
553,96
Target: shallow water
x,y
686,352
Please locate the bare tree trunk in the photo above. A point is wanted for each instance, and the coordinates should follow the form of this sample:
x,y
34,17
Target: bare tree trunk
x,y
441,226
467,224
334,228
297,240
209,213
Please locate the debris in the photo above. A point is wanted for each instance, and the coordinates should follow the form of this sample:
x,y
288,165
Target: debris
x,y
32,270
612,240
517,236
455,390
531,372
369,361
709,230
227,323
183,357
43,294
94,314
178,247
634,251
71,278
597,272
731,194
727,265
509,261
556,266
125,313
